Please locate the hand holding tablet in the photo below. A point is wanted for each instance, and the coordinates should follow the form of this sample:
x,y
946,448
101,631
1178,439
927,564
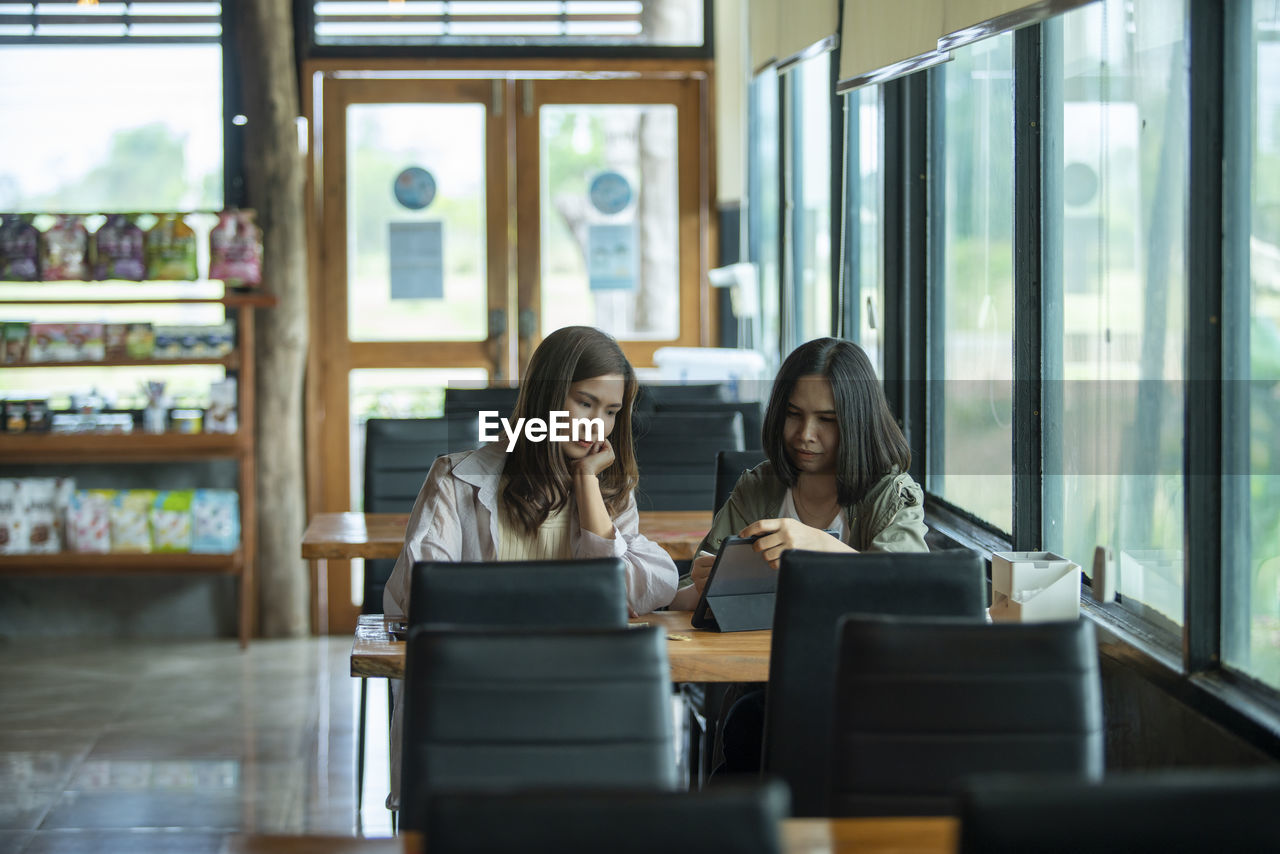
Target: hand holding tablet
x,y
739,591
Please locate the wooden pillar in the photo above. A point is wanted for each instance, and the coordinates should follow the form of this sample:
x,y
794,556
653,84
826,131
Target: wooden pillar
x,y
275,178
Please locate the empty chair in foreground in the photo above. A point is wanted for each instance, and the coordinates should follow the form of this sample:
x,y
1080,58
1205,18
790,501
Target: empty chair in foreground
x,y
488,709
728,819
1167,812
814,591
924,703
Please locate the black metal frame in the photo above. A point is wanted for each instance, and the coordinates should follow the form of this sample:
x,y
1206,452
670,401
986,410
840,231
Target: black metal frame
x,y
1028,119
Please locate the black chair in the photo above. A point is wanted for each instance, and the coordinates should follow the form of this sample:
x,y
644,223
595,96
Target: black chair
x,y
488,709
470,401
676,455
584,594
398,453
1172,812
731,819
922,703
730,466
815,589
750,410
654,395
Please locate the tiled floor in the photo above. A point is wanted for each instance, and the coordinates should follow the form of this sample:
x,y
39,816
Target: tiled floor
x,y
146,746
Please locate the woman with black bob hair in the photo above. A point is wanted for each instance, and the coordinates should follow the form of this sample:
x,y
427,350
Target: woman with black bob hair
x,y
541,500
836,475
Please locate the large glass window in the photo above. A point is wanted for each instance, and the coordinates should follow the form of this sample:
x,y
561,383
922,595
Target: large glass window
x,y
1251,600
763,164
971,315
864,221
808,188
1113,467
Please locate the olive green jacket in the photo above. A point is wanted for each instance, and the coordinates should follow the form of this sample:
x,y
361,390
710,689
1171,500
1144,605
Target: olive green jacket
x,y
889,519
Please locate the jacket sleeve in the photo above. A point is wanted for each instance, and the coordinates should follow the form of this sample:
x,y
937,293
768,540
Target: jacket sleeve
x,y
901,521
651,573
735,515
433,533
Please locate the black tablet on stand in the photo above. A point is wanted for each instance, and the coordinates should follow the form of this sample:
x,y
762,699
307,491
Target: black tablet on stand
x,y
740,590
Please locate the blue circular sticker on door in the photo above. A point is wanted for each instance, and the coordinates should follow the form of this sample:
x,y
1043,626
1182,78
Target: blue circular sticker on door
x,y
415,188
609,192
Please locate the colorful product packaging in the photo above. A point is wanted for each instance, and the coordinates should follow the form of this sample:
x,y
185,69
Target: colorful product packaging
x,y
215,521
118,250
15,341
64,488
19,249
171,521
115,340
13,521
131,520
64,250
89,521
140,341
36,503
235,249
171,249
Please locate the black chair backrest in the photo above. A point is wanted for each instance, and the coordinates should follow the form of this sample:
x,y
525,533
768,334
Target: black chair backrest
x,y
751,415
654,395
922,703
1169,812
737,819
398,453
585,594
729,467
492,709
469,401
676,454
815,589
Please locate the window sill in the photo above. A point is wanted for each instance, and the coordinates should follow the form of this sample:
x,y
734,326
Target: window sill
x,y
1246,709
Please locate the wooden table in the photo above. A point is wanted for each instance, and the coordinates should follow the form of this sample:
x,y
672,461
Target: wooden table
x,y
799,836
694,655
343,536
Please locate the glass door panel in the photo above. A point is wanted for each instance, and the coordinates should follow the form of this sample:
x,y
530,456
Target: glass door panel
x,y
416,247
610,243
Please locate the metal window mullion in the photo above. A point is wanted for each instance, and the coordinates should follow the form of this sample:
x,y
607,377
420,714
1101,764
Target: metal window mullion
x,y
848,316
1027,268
791,174
929,288
1237,167
835,129
1202,448
918,147
893,100
1051,318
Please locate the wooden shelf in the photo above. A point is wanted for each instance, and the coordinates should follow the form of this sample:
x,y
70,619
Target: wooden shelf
x,y
231,300
231,362
118,447
74,563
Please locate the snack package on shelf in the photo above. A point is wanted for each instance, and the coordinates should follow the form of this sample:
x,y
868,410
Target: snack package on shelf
x,y
63,489
131,520
140,341
171,249
171,520
235,249
89,521
16,333
215,521
19,249
221,416
64,250
118,250
48,342
37,499
115,341
14,539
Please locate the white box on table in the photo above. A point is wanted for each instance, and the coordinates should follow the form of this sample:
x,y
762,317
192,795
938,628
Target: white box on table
x,y
1034,587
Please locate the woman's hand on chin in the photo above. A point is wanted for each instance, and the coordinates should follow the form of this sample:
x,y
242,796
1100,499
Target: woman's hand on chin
x,y
778,535
598,458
